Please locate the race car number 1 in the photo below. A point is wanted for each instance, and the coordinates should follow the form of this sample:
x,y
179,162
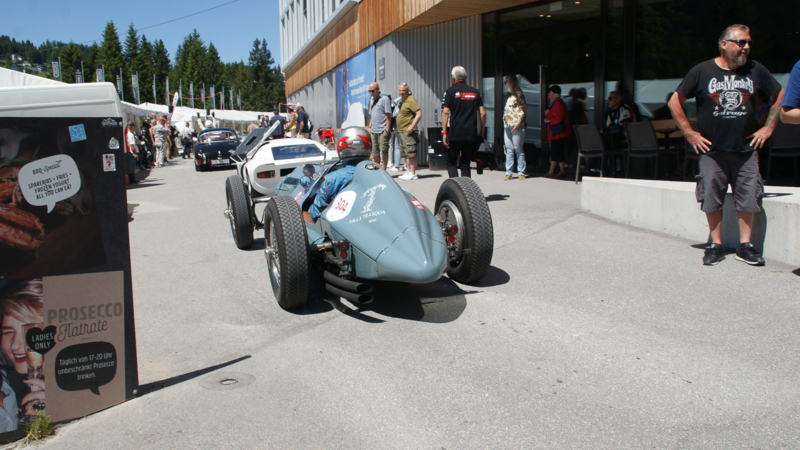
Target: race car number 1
x,y
341,206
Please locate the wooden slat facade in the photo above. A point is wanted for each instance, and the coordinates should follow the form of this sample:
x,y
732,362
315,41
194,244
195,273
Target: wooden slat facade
x,y
370,21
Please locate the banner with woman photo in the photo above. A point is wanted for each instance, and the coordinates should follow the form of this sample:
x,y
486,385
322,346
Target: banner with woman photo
x,y
66,307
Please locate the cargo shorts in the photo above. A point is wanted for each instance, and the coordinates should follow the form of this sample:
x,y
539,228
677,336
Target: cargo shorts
x,y
408,143
740,171
380,144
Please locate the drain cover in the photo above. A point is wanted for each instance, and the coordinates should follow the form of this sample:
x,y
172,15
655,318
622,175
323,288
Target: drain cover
x,y
224,381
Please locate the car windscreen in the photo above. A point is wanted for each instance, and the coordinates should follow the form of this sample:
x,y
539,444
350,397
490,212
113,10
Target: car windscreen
x,y
295,151
217,136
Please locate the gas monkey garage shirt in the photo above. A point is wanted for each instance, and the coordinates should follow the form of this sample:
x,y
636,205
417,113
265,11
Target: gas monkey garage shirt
x,y
726,102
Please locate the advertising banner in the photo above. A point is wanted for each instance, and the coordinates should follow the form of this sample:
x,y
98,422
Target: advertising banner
x,y
222,98
166,93
56,69
155,98
68,343
239,98
135,86
191,93
118,76
78,66
213,98
180,90
203,96
352,88
231,97
99,74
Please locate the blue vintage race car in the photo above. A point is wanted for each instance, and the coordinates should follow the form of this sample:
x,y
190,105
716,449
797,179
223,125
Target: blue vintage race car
x,y
372,230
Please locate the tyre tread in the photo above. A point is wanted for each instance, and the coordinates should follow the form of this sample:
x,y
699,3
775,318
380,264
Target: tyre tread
x,y
291,229
240,201
480,217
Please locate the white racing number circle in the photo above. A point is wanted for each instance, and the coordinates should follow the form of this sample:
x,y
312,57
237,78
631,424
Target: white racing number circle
x,y
340,206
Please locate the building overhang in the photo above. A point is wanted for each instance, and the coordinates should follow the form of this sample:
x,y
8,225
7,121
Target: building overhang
x,y
337,15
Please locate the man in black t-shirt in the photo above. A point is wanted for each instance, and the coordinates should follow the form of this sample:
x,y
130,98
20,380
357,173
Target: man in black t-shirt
x,y
463,106
728,135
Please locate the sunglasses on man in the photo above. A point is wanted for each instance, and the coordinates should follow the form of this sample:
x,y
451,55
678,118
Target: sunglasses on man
x,y
741,42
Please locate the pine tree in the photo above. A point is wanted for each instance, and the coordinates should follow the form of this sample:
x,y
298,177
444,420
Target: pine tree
x,y
109,54
146,69
163,67
69,54
267,92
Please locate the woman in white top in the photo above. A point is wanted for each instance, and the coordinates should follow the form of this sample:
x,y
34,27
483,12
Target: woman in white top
x,y
514,122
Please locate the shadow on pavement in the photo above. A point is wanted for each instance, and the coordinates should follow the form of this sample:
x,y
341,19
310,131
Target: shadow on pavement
x,y
258,244
442,301
495,276
496,197
145,389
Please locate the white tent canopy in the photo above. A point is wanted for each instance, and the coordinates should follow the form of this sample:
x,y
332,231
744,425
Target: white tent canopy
x,y
180,114
12,78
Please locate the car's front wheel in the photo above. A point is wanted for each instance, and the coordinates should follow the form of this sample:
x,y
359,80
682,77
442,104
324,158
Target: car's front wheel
x,y
460,202
239,212
286,251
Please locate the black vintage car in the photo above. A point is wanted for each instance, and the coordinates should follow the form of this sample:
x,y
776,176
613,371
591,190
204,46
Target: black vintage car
x,y
214,147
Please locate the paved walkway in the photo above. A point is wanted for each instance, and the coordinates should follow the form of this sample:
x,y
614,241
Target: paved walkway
x,y
586,334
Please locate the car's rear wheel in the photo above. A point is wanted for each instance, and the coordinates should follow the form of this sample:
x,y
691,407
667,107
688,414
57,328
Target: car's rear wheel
x,y
286,251
239,212
460,202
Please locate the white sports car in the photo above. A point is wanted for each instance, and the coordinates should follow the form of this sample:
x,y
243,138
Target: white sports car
x,y
269,160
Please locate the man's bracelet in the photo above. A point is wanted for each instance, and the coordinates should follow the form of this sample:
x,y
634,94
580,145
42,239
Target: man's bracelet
x,y
444,131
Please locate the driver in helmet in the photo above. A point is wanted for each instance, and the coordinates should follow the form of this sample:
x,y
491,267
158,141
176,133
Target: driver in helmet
x,y
353,145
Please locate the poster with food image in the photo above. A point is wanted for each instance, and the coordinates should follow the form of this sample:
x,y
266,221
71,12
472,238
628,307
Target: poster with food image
x,y
66,304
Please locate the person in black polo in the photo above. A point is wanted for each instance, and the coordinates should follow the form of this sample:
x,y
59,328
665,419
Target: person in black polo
x,y
462,106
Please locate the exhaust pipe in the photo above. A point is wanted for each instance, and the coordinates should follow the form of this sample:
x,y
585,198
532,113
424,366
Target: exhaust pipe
x,y
347,285
361,299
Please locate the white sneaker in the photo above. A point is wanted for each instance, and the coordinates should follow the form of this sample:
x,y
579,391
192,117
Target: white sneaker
x,y
395,169
408,177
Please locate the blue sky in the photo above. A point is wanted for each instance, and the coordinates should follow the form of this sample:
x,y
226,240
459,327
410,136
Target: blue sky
x,y
232,28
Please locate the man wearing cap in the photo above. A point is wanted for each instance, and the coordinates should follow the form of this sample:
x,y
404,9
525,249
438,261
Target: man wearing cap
x,y
462,110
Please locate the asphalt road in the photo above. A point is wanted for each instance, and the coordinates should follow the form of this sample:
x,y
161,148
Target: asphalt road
x,y
586,334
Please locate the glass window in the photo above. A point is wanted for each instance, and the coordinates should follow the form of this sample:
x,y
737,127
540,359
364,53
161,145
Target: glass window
x,y
561,35
295,152
672,36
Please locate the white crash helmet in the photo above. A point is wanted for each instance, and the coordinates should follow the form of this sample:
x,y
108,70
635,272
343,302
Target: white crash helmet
x,y
209,124
353,142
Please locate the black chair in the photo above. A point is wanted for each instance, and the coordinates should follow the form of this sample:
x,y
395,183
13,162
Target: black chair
x,y
590,145
784,143
642,143
690,154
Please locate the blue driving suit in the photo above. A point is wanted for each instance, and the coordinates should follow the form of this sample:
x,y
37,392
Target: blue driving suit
x,y
331,185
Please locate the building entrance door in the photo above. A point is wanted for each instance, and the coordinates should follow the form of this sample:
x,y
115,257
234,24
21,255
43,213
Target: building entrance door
x,y
566,39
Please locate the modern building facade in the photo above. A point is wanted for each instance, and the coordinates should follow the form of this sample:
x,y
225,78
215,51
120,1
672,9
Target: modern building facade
x,y
642,48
